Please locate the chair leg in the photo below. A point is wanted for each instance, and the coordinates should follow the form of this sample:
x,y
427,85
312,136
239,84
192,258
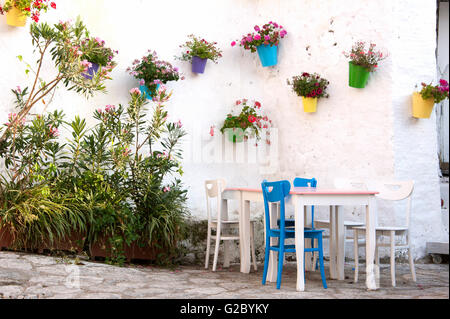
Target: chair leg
x,y
411,264
392,233
252,246
315,259
356,255
208,245
280,264
216,251
266,260
322,268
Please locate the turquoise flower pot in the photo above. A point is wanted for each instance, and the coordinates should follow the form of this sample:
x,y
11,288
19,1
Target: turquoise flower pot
x,y
268,54
146,92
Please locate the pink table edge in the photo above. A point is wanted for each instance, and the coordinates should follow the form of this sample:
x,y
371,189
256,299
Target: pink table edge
x,y
309,191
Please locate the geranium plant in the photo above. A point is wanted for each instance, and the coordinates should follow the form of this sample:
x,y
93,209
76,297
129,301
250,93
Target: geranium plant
x,y
269,34
29,8
436,92
150,71
249,119
200,48
368,58
309,85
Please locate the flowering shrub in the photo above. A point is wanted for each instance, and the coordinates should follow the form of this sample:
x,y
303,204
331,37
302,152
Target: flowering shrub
x,y
269,34
436,92
201,48
150,71
367,59
250,119
64,42
28,7
309,85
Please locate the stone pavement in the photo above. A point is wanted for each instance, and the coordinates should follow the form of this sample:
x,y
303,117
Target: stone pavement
x,y
29,276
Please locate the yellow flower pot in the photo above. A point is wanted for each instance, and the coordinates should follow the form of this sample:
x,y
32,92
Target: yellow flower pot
x,y
421,108
16,18
309,104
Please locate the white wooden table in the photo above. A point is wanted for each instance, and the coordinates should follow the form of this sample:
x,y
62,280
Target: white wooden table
x,y
301,197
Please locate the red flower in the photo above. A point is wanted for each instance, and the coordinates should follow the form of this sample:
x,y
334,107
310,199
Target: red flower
x,y
53,5
238,102
257,104
251,119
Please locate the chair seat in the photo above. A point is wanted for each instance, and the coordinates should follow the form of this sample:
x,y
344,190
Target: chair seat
x,y
347,223
383,228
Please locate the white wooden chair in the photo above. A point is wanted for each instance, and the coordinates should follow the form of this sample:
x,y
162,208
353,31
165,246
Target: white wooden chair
x,y
221,224
392,191
342,183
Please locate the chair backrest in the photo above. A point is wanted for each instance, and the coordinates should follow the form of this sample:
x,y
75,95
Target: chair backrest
x,y
214,189
395,191
307,182
278,192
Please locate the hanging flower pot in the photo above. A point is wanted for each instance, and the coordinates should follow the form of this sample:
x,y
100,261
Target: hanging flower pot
x,y
268,54
198,64
362,61
358,76
421,108
310,87
235,135
198,51
16,18
92,69
146,92
309,104
265,41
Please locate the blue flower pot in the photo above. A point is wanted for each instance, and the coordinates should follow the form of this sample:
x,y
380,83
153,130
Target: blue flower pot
x,y
146,92
91,71
267,54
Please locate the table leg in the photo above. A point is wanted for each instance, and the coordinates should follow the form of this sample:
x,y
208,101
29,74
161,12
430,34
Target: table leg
x,y
371,217
332,244
299,243
273,263
226,243
307,218
340,243
244,235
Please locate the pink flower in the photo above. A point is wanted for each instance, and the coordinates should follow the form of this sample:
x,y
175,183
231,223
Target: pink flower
x,y
179,124
249,38
142,82
257,37
166,189
443,82
135,91
211,131
257,28
266,37
233,43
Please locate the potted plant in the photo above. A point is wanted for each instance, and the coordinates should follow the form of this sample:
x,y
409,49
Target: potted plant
x,y
17,11
249,122
152,72
424,100
362,63
265,41
310,87
198,51
94,56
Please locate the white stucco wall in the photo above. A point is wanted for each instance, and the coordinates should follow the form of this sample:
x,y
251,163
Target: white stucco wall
x,y
356,133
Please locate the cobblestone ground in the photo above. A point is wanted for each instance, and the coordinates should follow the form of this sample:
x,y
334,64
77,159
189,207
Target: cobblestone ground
x,y
37,276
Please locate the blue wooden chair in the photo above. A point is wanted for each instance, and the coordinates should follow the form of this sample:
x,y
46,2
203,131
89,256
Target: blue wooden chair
x,y
278,193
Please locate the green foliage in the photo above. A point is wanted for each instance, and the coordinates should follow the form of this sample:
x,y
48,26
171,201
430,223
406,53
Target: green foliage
x,y
436,92
151,71
249,119
201,48
367,59
309,85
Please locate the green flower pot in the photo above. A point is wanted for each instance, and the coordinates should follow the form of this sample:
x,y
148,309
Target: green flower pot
x,y
357,76
235,135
